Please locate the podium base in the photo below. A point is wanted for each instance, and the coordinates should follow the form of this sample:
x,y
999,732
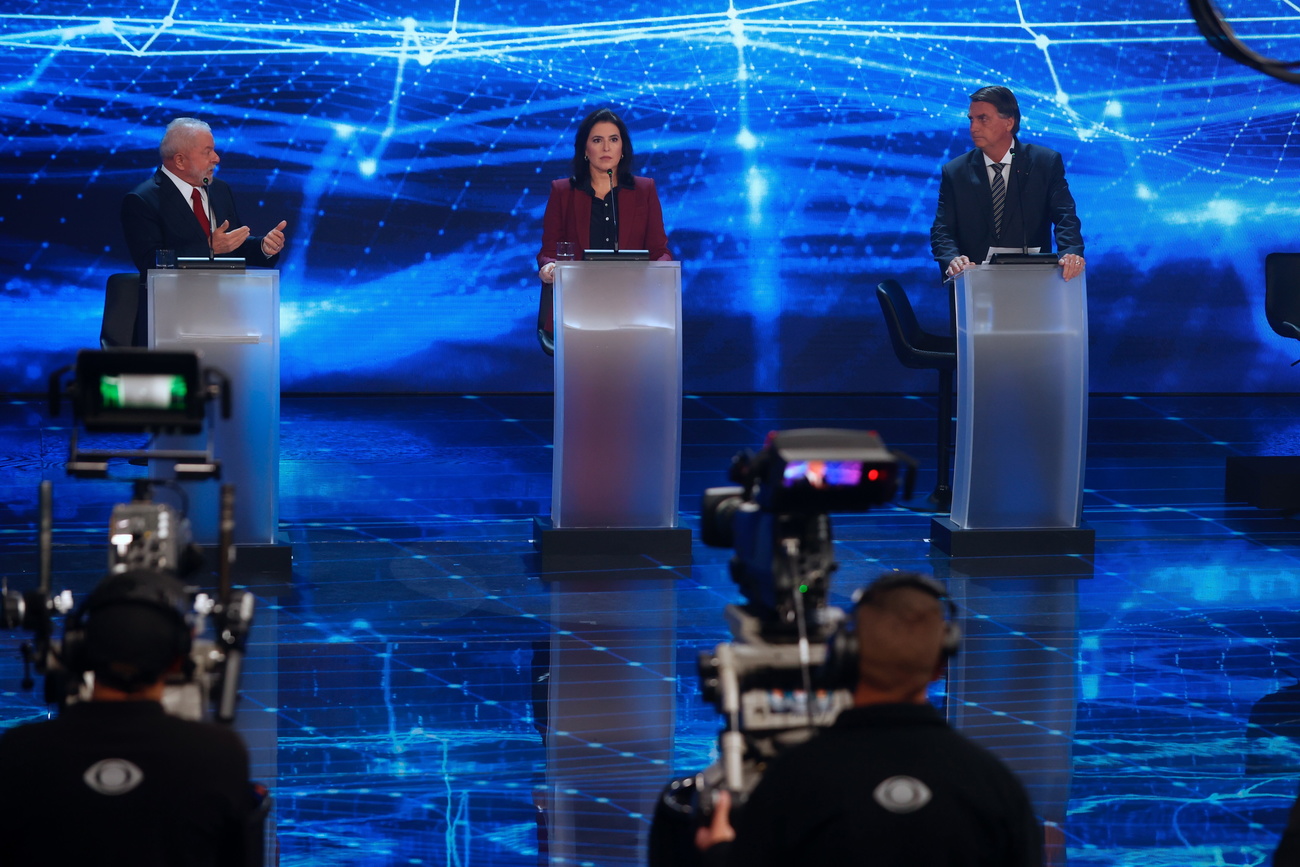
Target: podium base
x,y
1263,481
256,562
961,542
1031,567
640,551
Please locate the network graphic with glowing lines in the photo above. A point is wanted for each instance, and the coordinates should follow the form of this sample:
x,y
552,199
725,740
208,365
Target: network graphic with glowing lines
x,y
796,147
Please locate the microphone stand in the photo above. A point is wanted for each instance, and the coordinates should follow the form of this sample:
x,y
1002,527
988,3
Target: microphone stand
x,y
212,254
613,206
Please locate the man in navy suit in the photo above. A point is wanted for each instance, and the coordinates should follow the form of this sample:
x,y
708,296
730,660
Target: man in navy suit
x,y
185,209
1022,184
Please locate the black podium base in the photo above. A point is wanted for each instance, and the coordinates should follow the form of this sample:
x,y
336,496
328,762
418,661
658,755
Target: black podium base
x,y
566,551
960,542
1031,567
256,563
1263,481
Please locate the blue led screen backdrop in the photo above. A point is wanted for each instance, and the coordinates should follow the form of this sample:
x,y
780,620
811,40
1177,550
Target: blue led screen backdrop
x,y
796,147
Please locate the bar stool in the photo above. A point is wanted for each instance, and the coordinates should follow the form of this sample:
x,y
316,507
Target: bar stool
x,y
122,302
1272,481
921,350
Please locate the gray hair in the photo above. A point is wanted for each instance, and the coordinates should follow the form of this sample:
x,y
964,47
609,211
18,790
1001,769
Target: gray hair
x,y
178,135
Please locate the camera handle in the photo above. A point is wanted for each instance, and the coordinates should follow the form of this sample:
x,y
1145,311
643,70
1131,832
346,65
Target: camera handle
x,y
801,620
732,741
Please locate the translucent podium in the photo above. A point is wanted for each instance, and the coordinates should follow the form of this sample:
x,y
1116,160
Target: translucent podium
x,y
233,319
1022,414
618,398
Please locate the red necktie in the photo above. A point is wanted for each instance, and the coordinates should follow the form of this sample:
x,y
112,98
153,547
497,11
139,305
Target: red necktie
x,y
197,198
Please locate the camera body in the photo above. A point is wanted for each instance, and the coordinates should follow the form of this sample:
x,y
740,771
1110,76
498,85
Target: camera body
x,y
777,520
146,392
768,683
147,535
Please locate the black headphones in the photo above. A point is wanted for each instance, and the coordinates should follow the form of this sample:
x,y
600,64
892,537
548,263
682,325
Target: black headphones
x,y
840,671
142,587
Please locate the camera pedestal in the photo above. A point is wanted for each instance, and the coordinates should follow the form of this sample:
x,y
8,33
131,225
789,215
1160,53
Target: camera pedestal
x,y
568,551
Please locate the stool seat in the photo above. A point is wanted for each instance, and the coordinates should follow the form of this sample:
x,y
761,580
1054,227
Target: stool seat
x,y
915,347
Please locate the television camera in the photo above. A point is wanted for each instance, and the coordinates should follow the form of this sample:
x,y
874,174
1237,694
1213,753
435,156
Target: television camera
x,y
141,392
767,683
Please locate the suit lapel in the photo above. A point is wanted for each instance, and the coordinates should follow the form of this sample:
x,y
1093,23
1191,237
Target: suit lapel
x,y
631,221
979,177
177,211
222,204
582,219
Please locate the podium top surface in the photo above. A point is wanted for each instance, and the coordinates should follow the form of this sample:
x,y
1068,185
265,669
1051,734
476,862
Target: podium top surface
x,y
190,273
1016,266
618,263
983,277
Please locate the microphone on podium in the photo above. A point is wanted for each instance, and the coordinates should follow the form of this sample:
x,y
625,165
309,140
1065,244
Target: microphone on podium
x,y
208,201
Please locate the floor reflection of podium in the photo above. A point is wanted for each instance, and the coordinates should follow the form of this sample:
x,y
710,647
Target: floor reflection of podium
x,y
1013,688
259,688
609,716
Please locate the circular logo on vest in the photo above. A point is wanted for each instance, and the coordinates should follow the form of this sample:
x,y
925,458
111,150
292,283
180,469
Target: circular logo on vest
x,y
902,794
113,776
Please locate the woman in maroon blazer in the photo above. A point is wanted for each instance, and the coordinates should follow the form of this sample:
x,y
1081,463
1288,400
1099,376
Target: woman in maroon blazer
x,y
585,208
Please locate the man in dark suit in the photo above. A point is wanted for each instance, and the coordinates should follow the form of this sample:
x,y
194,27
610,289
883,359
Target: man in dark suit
x,y
1003,196
185,209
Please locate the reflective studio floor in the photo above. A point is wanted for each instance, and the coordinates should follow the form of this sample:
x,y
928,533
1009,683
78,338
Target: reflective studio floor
x,y
399,683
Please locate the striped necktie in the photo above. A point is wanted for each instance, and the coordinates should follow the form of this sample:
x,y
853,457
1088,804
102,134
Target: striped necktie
x,y
999,198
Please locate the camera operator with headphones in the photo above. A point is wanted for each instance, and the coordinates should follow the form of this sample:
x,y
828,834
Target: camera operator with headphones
x,y
890,783
116,780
